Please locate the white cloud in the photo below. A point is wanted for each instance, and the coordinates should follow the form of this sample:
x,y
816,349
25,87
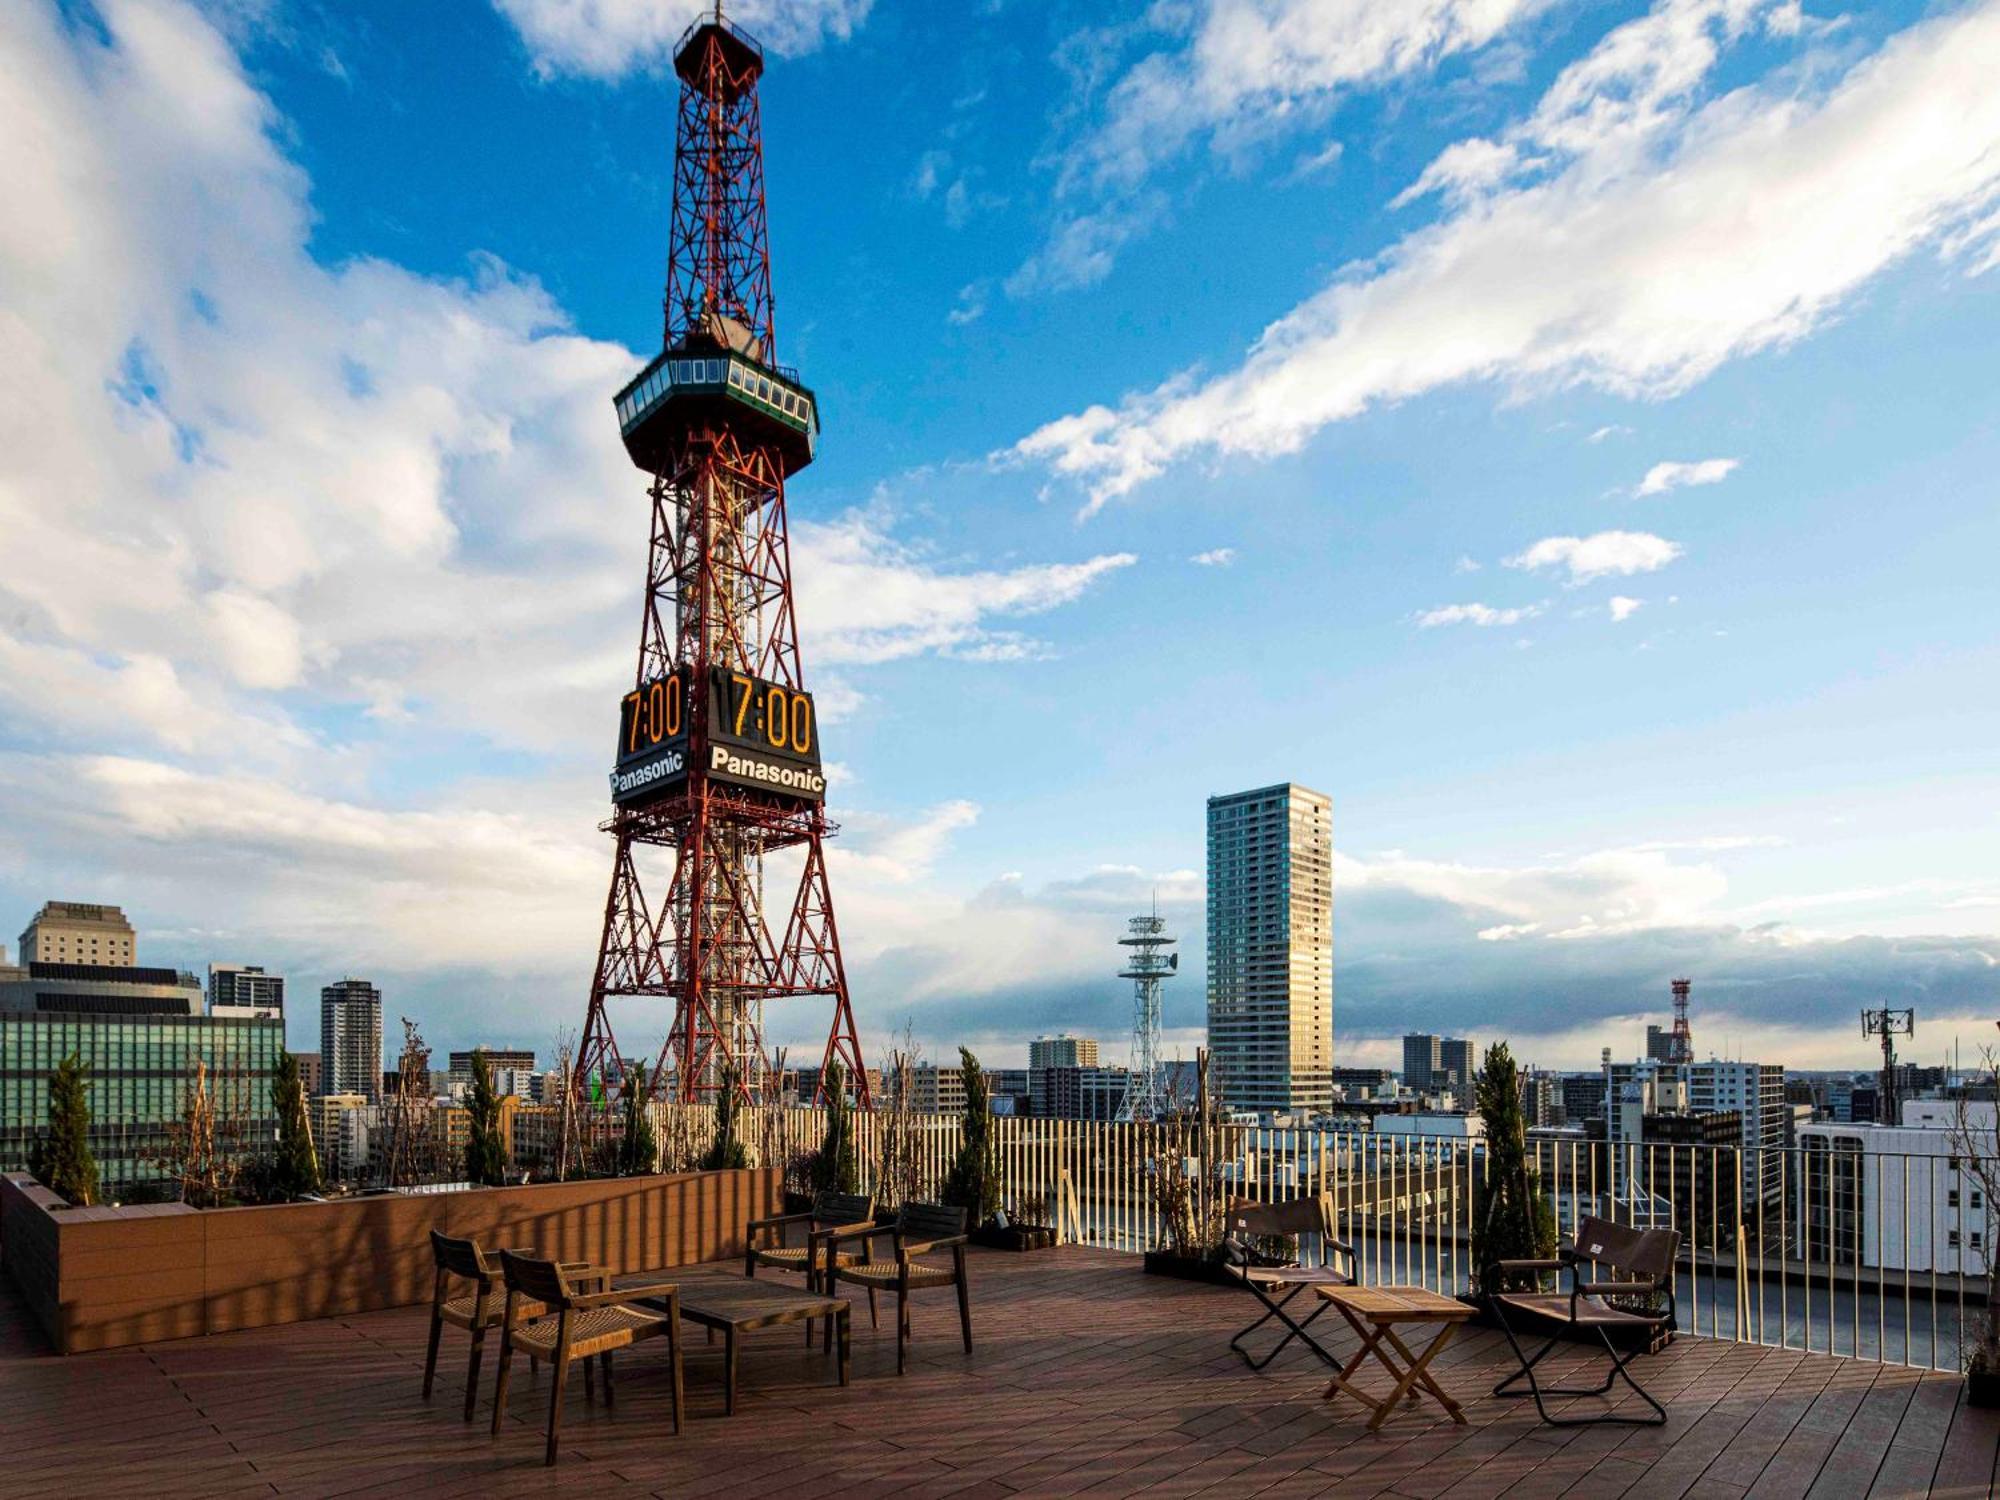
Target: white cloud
x,y
1237,74
1672,475
1463,169
1466,565
1622,608
1482,615
1508,932
1665,235
866,597
1215,557
1610,431
609,38
1604,554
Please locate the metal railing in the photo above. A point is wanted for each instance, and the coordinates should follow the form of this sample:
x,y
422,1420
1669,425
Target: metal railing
x,y
1876,1255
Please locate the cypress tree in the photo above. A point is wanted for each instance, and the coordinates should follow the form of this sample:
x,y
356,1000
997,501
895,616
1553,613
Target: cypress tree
x,y
295,1172
725,1151
485,1156
63,1163
1512,1218
974,1180
639,1152
835,1169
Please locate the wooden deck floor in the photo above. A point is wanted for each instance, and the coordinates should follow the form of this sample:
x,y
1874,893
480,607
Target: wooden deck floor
x,y
1089,1378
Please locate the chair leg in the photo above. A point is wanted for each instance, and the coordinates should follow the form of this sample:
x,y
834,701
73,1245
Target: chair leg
x,y
589,1381
874,1321
902,1330
965,1312
674,1353
500,1382
1292,1330
472,1371
561,1363
1538,1390
431,1359
605,1360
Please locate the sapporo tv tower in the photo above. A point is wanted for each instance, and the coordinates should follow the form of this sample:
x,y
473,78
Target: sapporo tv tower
x,y
718,741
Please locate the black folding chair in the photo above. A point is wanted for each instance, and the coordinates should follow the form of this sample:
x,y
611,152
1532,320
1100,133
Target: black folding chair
x,y
1642,1263
1249,1222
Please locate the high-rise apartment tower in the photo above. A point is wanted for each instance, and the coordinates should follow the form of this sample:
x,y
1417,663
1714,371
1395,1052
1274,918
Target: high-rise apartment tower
x,y
350,1038
1270,949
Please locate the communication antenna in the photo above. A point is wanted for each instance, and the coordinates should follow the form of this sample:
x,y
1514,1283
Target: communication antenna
x,y
1681,1052
1888,1025
1151,964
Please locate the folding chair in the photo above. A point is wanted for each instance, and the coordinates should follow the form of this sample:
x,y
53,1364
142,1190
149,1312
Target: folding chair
x,y
1642,1261
1249,1222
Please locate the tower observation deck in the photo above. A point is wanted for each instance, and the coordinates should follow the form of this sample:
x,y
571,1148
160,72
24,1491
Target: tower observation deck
x,y
718,765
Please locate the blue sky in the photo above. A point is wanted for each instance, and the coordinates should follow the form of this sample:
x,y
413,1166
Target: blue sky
x,y
1563,433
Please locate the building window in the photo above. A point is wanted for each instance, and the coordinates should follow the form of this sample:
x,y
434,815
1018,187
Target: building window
x,y
1951,1239
1951,1198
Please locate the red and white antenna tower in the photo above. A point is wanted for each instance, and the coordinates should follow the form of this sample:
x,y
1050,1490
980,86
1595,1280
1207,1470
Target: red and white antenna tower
x,y
718,741
1683,1038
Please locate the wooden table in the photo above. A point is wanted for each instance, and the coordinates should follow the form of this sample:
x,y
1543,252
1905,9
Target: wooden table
x,y
734,1305
1373,1313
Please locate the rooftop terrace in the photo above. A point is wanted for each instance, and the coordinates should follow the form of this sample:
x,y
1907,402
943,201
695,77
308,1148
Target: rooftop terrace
x,y
1089,1377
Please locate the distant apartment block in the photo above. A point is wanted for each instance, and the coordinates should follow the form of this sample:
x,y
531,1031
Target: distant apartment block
x,y
76,932
1423,1057
1459,1059
245,990
350,1038
309,1073
1897,1196
1270,949
1048,1053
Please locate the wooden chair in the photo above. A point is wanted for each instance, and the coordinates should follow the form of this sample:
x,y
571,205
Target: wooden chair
x,y
920,1229
1642,1263
463,1260
831,1213
1249,1222
578,1325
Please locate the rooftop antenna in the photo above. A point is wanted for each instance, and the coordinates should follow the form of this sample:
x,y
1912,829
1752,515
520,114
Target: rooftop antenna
x,y
1682,1051
1888,1025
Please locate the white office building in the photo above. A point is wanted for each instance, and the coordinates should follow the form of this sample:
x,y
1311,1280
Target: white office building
x,y
1896,1197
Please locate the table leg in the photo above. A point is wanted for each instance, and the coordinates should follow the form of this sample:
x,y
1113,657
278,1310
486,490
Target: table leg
x,y
1370,1339
729,1363
1421,1367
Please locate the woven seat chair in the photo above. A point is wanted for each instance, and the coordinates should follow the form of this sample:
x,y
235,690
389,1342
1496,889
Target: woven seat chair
x,y
578,1325
1277,1285
920,1229
831,1213
481,1309
1642,1265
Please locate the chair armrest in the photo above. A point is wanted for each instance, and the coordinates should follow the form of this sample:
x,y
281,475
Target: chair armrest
x,y
624,1294
856,1232
1529,1265
777,1221
838,1231
904,1250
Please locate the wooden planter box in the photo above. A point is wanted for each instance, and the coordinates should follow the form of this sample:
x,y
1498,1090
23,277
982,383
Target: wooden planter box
x,y
1016,1237
1188,1268
96,1278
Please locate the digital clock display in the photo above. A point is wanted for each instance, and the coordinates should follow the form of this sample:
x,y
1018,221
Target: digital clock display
x,y
745,730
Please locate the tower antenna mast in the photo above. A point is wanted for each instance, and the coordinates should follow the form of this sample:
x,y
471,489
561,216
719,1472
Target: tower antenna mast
x,y
1151,964
1888,1025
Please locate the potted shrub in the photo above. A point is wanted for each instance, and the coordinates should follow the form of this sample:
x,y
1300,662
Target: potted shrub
x,y
1027,1228
973,1183
1184,1179
1511,1216
1974,1156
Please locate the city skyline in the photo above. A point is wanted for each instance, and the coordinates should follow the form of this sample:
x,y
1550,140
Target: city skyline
x,y
1629,651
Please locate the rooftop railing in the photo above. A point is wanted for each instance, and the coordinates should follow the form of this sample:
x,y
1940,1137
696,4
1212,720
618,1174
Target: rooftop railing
x,y
1876,1255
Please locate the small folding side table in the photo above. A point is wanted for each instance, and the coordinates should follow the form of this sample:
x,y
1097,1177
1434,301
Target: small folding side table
x,y
1373,1313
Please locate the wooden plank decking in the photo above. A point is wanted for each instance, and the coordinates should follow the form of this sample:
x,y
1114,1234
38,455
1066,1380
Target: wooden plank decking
x,y
1089,1377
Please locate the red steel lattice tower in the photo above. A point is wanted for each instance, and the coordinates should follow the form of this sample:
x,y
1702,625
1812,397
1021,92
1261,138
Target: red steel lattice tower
x,y
1681,1049
718,762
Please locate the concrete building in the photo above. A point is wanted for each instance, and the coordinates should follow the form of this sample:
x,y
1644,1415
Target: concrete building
x,y
1897,1197
1423,1056
1083,1093
498,1060
1755,1092
1270,949
1659,1044
309,1073
1540,1104
1364,1083
936,1090
1582,1097
1046,1053
245,991
350,1038
1459,1058
76,932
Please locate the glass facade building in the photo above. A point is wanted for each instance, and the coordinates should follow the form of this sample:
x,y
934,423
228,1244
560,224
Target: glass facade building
x,y
140,1069
1270,949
